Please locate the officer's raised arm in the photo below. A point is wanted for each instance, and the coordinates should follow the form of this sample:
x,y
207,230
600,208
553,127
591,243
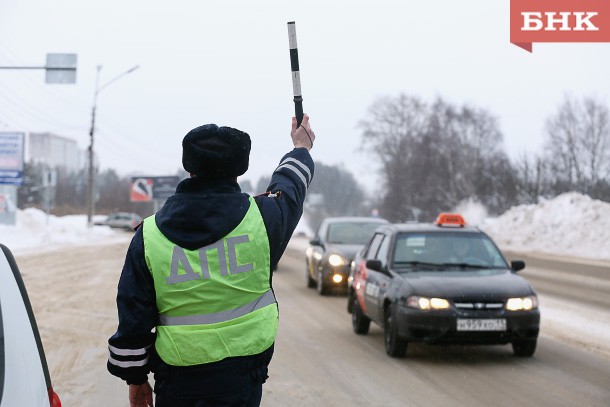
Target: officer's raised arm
x,y
289,184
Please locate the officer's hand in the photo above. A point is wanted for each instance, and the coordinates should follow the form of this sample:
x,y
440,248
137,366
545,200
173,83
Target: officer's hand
x,y
302,136
140,395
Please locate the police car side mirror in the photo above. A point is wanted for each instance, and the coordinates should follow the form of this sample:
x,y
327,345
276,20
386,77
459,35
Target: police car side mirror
x,y
517,265
374,264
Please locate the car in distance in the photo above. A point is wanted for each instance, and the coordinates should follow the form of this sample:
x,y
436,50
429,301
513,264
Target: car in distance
x,y
331,251
442,283
24,375
121,220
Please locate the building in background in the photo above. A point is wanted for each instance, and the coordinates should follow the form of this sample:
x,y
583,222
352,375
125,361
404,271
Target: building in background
x,y
55,173
54,151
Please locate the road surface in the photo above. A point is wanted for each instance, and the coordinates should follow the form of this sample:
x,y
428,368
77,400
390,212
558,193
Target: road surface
x,y
319,361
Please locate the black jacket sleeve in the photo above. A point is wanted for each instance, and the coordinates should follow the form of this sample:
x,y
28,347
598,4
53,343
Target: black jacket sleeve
x,y
282,212
130,347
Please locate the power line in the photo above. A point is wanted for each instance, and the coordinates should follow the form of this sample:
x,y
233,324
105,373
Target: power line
x,y
48,92
27,108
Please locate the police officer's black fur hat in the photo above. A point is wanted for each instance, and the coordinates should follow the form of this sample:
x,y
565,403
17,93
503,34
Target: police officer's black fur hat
x,y
216,152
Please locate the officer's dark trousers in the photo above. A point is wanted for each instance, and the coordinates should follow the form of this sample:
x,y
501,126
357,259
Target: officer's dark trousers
x,y
231,382
250,397
237,387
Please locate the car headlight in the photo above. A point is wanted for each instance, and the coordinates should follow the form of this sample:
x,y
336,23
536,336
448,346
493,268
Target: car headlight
x,y
336,260
425,303
522,303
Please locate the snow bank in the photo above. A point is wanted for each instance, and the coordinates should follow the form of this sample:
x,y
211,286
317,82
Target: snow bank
x,y
36,231
570,224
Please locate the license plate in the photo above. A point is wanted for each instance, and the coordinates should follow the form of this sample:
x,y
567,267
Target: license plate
x,y
481,324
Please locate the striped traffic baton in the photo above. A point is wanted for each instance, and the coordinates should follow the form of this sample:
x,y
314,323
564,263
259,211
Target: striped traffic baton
x,y
296,77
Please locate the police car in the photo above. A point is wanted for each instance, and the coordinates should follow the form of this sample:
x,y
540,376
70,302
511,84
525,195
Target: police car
x,y
442,283
24,375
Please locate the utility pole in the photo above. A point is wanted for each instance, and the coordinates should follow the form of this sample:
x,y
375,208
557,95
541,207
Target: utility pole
x,y
91,181
90,189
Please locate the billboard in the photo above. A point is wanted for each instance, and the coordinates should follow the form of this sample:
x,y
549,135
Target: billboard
x,y
11,158
149,189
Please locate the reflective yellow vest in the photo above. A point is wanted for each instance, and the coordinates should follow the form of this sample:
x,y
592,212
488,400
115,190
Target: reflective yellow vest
x,y
215,302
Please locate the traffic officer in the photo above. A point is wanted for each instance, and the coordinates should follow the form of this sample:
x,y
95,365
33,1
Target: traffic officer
x,y
195,301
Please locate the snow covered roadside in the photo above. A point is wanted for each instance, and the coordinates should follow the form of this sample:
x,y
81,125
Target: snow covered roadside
x,y
35,231
570,225
578,324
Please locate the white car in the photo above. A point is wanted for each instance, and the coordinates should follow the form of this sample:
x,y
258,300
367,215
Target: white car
x,y
121,220
24,375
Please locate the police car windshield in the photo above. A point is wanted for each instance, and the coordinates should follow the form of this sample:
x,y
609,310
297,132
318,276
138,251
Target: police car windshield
x,y
351,232
463,250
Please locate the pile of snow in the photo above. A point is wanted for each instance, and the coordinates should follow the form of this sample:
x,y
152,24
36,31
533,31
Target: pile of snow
x,y
570,224
34,230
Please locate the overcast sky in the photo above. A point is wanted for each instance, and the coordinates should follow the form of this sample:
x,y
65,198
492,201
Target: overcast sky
x,y
227,62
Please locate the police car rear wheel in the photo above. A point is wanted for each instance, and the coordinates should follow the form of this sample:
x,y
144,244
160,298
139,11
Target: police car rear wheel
x,y
395,346
360,322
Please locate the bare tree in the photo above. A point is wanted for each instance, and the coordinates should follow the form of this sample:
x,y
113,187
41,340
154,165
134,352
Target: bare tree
x,y
578,143
333,192
534,178
434,156
113,191
393,127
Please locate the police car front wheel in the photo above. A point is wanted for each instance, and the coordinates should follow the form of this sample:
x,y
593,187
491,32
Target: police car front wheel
x,y
395,346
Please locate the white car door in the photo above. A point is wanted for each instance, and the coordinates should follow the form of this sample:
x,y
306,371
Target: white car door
x,y
22,375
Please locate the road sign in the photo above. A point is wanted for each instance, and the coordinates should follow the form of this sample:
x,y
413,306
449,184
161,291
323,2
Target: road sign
x,y
147,189
11,158
61,68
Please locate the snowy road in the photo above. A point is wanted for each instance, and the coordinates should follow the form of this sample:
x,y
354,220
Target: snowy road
x,y
574,301
319,361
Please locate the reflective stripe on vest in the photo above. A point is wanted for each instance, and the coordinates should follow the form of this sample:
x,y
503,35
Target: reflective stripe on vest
x,y
214,302
266,299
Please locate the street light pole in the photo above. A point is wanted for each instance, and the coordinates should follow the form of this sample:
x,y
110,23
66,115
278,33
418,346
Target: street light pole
x,y
91,181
